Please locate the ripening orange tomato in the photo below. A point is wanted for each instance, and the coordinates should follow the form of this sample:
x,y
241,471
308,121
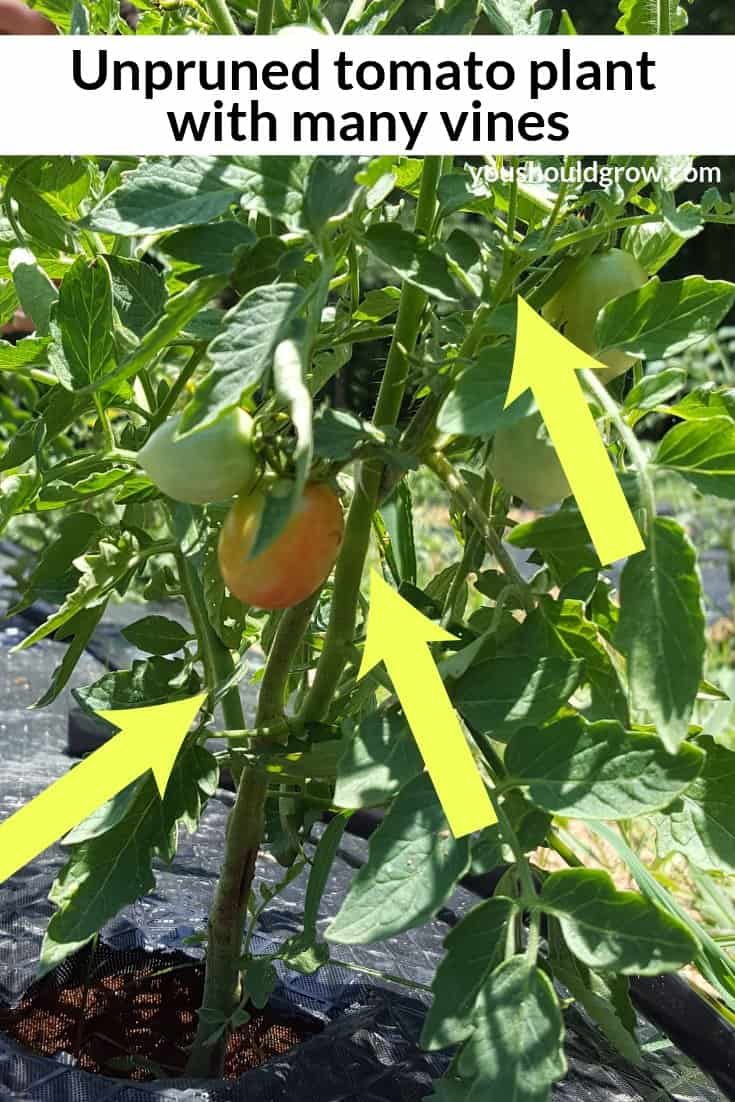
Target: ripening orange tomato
x,y
295,563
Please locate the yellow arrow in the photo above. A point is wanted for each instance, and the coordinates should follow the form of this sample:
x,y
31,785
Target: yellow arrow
x,y
397,635
150,738
545,362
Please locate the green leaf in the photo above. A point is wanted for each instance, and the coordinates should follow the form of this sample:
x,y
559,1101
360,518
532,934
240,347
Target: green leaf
x,y
114,868
378,304
706,401
8,300
701,823
598,770
36,293
157,635
475,405
179,311
653,390
562,628
168,193
337,433
703,452
80,627
99,573
412,260
499,695
243,352
396,513
474,949
604,997
163,194
83,349
380,758
16,494
138,292
516,16
653,245
647,16
413,865
664,319
148,682
515,1052
612,930
661,629
215,248
457,17
330,190
321,865
374,17
26,353
54,575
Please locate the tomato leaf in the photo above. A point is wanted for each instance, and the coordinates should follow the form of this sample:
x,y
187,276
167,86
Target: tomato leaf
x,y
114,867
414,863
157,635
661,629
83,347
499,695
380,758
612,930
598,770
474,949
701,823
515,1050
243,351
703,452
664,319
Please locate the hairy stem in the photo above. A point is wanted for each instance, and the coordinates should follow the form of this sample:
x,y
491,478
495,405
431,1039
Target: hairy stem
x,y
348,573
600,392
456,485
221,15
222,982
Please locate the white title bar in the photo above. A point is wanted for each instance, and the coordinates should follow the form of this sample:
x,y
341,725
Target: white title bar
x,y
308,93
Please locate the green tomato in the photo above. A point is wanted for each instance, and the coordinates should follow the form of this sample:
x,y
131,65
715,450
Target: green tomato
x,y
526,465
207,466
575,307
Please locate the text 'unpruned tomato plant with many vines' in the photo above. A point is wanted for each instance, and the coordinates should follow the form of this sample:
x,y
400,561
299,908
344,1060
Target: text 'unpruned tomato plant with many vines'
x,y
172,427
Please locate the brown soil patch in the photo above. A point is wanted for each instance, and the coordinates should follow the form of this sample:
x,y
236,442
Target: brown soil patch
x,y
132,1015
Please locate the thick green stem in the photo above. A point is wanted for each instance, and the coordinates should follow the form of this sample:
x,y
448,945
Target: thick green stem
x,y
664,18
222,18
222,984
348,573
288,637
264,22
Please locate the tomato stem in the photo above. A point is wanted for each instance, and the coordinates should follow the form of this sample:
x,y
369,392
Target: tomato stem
x,y
351,560
264,22
221,16
288,637
456,485
601,394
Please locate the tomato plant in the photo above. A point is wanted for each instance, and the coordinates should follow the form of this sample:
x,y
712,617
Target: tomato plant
x,y
175,426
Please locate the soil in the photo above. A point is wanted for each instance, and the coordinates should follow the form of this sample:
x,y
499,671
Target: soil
x,y
131,1015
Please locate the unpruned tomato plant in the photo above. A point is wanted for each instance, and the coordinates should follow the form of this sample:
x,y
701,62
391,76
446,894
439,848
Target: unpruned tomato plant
x,y
171,428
